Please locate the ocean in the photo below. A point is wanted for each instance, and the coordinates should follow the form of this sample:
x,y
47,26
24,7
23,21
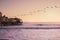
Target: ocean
x,y
29,31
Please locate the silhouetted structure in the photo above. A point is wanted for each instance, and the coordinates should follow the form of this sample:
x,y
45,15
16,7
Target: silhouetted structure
x,y
0,14
9,21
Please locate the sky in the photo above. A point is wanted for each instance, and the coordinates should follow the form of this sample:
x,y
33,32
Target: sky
x,y
32,10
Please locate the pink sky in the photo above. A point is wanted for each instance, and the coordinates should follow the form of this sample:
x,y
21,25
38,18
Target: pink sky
x,y
32,10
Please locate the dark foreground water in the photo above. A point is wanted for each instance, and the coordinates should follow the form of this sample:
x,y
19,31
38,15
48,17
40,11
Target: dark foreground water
x,y
35,33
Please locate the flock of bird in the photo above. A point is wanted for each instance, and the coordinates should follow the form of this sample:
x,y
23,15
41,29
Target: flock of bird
x,y
38,11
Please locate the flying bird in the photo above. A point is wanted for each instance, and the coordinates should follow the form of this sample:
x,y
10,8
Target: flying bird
x,y
56,6
51,7
38,10
47,7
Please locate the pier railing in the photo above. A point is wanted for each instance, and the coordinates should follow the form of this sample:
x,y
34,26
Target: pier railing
x,y
29,27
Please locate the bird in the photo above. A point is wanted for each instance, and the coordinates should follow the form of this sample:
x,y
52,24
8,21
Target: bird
x,y
47,7
56,6
51,6
38,10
